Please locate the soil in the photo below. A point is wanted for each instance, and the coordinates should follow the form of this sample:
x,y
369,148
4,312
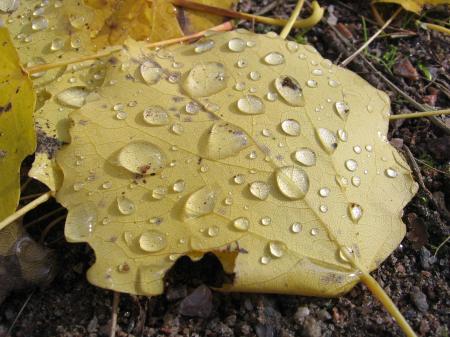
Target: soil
x,y
416,275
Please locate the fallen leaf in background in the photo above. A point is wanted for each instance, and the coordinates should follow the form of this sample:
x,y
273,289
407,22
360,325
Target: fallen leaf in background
x,y
415,6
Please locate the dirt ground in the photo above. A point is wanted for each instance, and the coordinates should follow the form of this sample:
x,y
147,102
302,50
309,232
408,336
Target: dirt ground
x,y
416,275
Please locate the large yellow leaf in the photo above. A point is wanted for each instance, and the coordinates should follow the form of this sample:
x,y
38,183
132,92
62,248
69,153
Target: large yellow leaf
x,y
244,145
415,5
17,136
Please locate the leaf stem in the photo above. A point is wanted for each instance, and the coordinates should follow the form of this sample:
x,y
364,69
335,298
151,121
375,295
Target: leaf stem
x,y
390,306
433,26
420,114
25,209
294,15
315,17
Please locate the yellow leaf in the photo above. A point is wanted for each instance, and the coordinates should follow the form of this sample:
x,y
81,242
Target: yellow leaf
x,y
17,136
414,5
251,147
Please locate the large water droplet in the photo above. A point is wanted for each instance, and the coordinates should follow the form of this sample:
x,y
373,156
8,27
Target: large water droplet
x,y
205,79
327,139
204,46
224,140
151,72
289,88
260,189
152,241
292,181
126,206
9,6
274,58
156,115
74,97
200,203
291,127
241,224
277,248
142,157
305,156
80,222
39,23
237,45
251,105
355,212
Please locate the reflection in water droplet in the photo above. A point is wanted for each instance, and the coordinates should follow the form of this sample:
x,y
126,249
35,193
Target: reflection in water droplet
x,y
152,241
81,221
265,221
156,115
224,140
289,88
74,97
260,189
204,46
251,105
277,248
241,224
205,79
305,156
292,181
274,58
296,227
342,109
327,139
200,203
237,45
125,205
291,127
351,165
391,173
179,186
142,157
151,72
355,211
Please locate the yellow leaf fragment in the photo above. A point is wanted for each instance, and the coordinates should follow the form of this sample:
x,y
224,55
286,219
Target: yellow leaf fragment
x,y
17,135
414,5
262,165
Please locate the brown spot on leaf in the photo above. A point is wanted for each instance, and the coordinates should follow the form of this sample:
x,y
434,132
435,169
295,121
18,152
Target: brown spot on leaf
x,y
5,108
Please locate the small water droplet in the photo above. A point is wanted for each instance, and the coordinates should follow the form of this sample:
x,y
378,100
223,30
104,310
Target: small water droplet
x,y
342,109
342,134
351,165
292,181
296,227
126,206
391,173
142,157
239,179
264,260
204,46
317,72
369,148
314,231
200,203
205,79
177,128
75,42
106,220
311,83
123,268
74,97
357,149
254,75
323,208
39,23
236,45
292,46
241,224
274,58
277,248
57,44
121,115
156,115
291,127
241,63
239,86
152,241
327,139
305,156
78,186
213,231
260,189
346,253
356,181
324,192
355,212
179,186
228,201
265,221
156,220
251,104
252,155
159,192
289,88
333,83
151,72
271,96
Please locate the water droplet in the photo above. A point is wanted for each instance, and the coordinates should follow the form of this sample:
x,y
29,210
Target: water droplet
x,y
228,201
156,115
323,208
213,231
289,88
356,181
252,155
351,165
342,134
324,192
77,22
241,224
81,221
296,227
314,231
200,203
357,149
254,75
355,212
159,192
78,186
151,72
224,140
391,173
305,156
333,83
327,139
57,44
292,46
156,220
291,127
237,45
121,115
123,268
142,157
264,260
239,86
192,108
260,189
239,179
277,248
74,97
265,221
292,181
106,220
271,96
311,83
317,72
39,23
204,46
177,128
125,205
342,109
369,148
9,6
250,104
274,58
205,79
152,241
179,186
241,63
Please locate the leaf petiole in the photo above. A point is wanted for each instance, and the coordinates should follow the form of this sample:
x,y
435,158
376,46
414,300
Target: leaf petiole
x,y
420,114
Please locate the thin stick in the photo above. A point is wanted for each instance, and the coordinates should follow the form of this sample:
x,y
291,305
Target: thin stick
x,y
420,114
373,37
43,217
441,245
294,15
49,227
25,209
302,23
44,67
115,306
13,324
